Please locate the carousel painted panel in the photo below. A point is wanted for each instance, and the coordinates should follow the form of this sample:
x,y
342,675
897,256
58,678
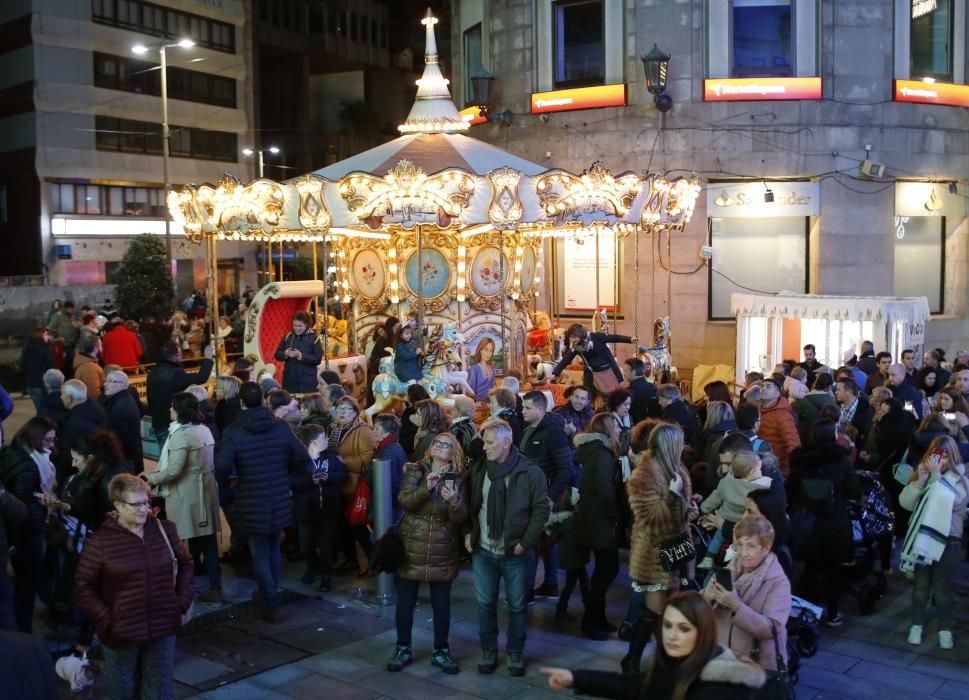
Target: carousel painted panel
x,y
435,273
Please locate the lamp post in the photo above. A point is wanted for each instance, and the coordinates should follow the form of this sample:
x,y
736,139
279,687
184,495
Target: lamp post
x,y
141,49
261,156
261,153
656,63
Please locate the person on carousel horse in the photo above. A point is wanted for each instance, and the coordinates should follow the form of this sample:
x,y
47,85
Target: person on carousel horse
x,y
601,370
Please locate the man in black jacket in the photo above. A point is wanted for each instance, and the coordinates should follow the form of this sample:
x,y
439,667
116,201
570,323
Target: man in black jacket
x,y
932,359
167,379
124,418
866,361
643,392
301,352
83,418
676,410
905,392
261,451
502,405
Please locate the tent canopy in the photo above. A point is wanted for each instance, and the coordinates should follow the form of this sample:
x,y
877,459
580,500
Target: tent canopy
x,y
842,308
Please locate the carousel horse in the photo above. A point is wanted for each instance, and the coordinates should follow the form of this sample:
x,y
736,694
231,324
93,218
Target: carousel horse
x,y
658,357
445,362
600,321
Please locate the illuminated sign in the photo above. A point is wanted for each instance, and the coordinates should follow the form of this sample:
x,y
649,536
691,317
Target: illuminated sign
x,y
932,93
472,115
579,98
745,200
920,8
109,227
737,89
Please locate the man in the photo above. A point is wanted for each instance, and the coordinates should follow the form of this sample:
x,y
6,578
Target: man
x,y
168,378
509,507
962,359
501,404
124,418
83,418
121,346
960,380
512,384
643,392
544,442
932,359
777,424
676,410
810,364
855,413
301,353
462,427
906,393
64,328
576,411
859,377
86,367
908,361
601,371
879,377
261,451
866,361
285,408
52,405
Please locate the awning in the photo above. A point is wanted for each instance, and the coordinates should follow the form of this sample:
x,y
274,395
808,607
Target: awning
x,y
913,310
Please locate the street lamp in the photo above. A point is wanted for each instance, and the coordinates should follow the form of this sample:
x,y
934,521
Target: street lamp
x,y
655,63
140,50
249,152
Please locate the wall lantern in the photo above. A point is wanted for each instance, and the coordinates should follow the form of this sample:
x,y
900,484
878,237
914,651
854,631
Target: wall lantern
x,y
655,64
482,87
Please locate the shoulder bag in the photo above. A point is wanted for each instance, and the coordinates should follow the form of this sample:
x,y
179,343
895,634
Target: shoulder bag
x,y
779,684
187,615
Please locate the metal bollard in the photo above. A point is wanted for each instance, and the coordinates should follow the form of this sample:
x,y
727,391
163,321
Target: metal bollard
x,y
383,518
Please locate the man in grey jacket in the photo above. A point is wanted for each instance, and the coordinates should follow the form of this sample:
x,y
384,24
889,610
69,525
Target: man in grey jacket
x,y
509,507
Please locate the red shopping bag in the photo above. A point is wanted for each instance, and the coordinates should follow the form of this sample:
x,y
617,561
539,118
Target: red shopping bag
x,y
356,513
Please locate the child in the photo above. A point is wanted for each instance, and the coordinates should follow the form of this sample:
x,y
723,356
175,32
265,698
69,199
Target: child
x,y
728,499
572,557
407,355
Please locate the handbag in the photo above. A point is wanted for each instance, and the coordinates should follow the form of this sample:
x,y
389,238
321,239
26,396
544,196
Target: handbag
x,y
388,552
676,551
356,512
187,615
779,684
902,472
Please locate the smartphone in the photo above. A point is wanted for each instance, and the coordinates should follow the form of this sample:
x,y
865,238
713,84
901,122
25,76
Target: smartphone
x,y
723,577
939,452
450,476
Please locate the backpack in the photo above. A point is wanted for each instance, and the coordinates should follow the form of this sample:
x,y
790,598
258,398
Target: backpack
x,y
818,495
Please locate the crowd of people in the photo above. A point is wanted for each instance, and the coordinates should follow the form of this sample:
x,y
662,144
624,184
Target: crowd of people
x,y
726,505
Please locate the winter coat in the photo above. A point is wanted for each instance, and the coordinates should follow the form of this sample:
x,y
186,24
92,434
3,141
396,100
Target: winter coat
x,y
124,419
121,347
912,493
52,406
862,422
62,326
465,432
808,412
226,412
12,513
408,431
599,358
724,677
312,499
682,413
829,540
510,416
356,450
645,403
35,359
711,438
186,473
80,421
23,481
578,419
548,447
394,453
907,393
570,553
166,380
407,363
431,527
769,601
262,451
126,586
300,374
778,427
87,369
597,513
658,515
526,503
87,493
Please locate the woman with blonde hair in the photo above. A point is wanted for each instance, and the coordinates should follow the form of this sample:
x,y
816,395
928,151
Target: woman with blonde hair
x,y
937,495
661,500
720,420
430,420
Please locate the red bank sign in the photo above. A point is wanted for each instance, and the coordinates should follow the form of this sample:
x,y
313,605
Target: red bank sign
x,y
931,93
750,89
579,98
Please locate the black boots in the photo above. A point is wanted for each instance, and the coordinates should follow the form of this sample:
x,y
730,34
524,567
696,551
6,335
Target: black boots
x,y
642,631
594,623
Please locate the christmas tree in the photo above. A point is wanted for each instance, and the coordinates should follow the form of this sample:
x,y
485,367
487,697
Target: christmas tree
x,y
145,290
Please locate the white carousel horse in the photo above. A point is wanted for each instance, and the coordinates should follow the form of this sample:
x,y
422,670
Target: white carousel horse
x,y
658,356
445,362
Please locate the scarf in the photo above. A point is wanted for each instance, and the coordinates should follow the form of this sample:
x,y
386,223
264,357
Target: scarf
x,y
386,441
496,495
46,470
928,530
747,584
340,431
848,413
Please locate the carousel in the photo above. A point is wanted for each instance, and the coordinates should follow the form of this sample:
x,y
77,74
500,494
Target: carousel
x,y
436,227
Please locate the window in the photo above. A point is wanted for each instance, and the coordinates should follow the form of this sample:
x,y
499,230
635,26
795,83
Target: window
x,y
143,137
931,39
131,75
98,200
762,38
156,20
472,58
579,47
920,258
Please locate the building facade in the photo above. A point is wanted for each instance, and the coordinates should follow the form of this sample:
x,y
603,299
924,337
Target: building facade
x,y
831,140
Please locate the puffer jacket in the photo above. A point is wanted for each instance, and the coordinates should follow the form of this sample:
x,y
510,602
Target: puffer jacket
x,y
778,427
597,514
121,347
87,369
356,450
35,359
262,451
23,483
548,447
658,515
431,527
300,375
80,421
125,584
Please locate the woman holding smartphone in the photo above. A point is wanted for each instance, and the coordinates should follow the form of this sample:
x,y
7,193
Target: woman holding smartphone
x,y
434,498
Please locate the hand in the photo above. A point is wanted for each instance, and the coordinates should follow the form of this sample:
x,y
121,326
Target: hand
x,y
569,429
934,463
634,340
432,480
727,599
467,542
449,493
209,351
708,593
558,678
144,476
519,550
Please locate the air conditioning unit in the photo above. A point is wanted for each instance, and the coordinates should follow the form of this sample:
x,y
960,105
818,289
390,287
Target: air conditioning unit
x,y
871,169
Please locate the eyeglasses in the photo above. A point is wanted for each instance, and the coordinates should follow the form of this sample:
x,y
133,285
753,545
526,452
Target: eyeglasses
x,y
138,505
441,444
49,441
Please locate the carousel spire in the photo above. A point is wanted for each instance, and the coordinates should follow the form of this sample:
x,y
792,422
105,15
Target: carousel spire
x,y
433,110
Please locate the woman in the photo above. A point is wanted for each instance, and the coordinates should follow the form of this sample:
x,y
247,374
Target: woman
x,y
720,420
28,472
481,376
951,401
434,498
408,430
597,516
97,458
313,411
186,474
660,498
35,359
688,663
195,338
927,379
821,482
937,495
407,355
126,583
228,407
769,504
619,403
759,598
430,420
354,442
716,390
317,501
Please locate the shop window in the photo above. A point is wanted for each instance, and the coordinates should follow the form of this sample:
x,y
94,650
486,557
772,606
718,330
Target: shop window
x,y
762,33
767,255
920,259
931,39
472,57
578,43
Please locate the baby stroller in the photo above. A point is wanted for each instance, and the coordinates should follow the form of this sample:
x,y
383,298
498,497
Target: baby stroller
x,y
802,634
872,520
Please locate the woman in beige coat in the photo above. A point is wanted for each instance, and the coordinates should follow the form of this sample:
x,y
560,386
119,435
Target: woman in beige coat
x,y
353,440
186,477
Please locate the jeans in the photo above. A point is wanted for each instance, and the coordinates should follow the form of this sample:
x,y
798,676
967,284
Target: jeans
x,y
266,563
317,541
549,563
27,561
206,548
142,672
36,394
407,601
489,568
937,581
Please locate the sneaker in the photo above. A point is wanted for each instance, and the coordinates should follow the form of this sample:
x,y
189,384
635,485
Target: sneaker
x,y
547,590
516,663
402,656
915,635
833,621
945,639
443,660
625,633
489,662
213,596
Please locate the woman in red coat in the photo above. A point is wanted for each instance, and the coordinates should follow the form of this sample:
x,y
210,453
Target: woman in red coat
x,y
126,585
120,346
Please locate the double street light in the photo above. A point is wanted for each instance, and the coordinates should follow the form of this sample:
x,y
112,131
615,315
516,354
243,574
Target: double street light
x,y
274,150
